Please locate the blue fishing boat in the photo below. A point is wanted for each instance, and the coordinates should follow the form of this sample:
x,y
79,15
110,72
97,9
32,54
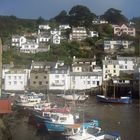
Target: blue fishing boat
x,y
61,126
115,95
47,115
117,100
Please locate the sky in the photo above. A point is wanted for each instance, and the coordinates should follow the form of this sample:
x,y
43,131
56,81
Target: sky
x,y
50,8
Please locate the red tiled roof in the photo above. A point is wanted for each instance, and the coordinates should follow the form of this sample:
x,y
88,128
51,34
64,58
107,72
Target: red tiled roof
x,y
5,106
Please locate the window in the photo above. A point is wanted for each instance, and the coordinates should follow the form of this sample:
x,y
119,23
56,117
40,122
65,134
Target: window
x,y
114,66
56,71
56,81
114,71
36,77
63,71
15,82
9,77
63,81
125,67
93,82
96,77
56,76
98,83
34,82
40,82
15,77
21,82
9,83
88,82
19,77
45,77
105,66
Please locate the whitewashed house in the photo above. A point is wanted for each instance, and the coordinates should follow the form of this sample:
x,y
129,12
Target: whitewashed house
x,y
64,26
56,39
15,79
59,77
126,63
83,64
44,27
29,47
18,40
119,30
78,33
55,31
99,21
93,34
116,44
85,80
44,37
6,68
110,69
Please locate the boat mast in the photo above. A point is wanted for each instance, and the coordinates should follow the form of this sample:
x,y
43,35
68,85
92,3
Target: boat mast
x,y
114,89
0,66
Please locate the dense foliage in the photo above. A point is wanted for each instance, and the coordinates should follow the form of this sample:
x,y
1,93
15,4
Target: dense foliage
x,y
114,16
77,16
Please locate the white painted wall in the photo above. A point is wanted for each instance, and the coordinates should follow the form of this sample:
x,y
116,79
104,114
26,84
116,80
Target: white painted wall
x,y
15,81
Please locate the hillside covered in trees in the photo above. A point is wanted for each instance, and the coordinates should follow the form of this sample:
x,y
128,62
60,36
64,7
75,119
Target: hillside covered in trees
x,y
77,16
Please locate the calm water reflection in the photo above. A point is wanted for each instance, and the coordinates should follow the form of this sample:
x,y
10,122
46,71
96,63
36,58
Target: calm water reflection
x,y
119,118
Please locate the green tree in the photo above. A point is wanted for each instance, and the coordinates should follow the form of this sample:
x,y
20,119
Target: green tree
x,y
62,17
136,21
114,16
81,16
40,20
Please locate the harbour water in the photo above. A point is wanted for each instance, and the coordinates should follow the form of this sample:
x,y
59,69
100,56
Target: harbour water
x,y
121,118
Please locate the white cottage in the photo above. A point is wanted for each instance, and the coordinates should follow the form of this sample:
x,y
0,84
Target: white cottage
x,y
126,63
15,79
44,27
59,77
85,80
110,69
116,44
29,47
18,40
56,39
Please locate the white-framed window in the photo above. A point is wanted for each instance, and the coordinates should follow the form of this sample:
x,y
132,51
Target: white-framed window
x,y
9,83
56,76
56,81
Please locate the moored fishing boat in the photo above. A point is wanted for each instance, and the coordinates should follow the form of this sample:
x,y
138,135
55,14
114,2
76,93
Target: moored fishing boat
x,y
94,133
123,100
74,96
61,122
115,95
27,101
